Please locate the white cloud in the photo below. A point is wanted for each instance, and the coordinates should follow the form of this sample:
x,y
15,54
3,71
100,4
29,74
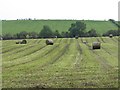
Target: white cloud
x,y
59,9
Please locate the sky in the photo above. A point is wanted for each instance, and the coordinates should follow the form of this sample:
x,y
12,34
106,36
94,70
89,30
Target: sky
x,y
59,9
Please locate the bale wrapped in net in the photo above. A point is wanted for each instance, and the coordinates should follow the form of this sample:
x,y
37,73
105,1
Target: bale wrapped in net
x,y
110,35
49,42
18,42
24,41
76,37
96,45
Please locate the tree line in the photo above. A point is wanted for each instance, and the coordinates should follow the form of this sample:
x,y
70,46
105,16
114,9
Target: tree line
x,y
76,29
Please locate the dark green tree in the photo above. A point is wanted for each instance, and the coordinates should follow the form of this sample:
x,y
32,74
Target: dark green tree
x,y
92,33
22,35
7,36
113,32
62,34
56,33
77,29
33,35
66,34
46,32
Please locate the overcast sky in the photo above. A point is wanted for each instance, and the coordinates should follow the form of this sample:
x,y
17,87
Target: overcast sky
x,y
59,9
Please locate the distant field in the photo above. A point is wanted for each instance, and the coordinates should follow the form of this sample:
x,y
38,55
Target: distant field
x,y
69,63
15,26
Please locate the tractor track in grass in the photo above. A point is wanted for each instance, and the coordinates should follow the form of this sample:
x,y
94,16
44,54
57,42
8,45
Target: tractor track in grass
x,y
81,39
87,44
81,52
19,46
113,39
4,47
104,48
27,47
12,48
35,70
79,55
117,39
35,41
102,40
14,44
57,57
79,48
39,41
21,50
105,66
98,40
62,52
101,59
30,52
24,56
52,49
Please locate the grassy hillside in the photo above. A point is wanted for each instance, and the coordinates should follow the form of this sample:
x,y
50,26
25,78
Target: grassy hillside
x,y
101,26
15,26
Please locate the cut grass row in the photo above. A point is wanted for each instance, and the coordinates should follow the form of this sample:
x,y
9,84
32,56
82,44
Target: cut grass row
x,y
35,63
32,53
68,63
102,61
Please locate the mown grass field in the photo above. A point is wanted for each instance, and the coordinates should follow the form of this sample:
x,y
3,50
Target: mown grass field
x,y
16,26
69,63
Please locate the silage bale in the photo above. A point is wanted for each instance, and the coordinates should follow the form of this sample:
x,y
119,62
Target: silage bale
x,y
18,42
76,37
84,42
55,36
96,45
110,35
1,38
49,42
24,41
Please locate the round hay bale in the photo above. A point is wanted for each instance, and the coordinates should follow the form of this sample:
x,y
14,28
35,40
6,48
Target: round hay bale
x,y
76,37
1,38
49,42
24,41
110,35
96,45
18,42
84,42
55,36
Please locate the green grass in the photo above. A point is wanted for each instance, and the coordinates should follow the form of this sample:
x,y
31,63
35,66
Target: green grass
x,y
68,63
15,26
101,26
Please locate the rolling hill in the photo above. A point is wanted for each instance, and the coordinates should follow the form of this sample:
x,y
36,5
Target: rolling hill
x,y
15,26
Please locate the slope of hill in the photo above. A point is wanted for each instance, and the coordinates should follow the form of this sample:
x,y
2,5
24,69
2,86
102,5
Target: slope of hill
x,y
101,26
15,26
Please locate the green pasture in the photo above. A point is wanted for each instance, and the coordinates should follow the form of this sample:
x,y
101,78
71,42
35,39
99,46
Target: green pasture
x,y
16,26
